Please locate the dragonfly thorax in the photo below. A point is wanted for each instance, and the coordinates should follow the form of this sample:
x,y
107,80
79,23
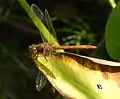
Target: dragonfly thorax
x,y
44,48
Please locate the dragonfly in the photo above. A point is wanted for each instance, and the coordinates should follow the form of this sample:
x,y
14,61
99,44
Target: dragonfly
x,y
47,48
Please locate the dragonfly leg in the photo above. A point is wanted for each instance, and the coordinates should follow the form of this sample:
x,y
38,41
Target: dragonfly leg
x,y
35,56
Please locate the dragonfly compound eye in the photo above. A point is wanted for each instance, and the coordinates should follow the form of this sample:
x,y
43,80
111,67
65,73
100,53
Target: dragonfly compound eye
x,y
32,49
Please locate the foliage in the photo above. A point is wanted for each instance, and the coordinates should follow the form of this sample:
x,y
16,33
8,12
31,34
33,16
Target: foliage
x,y
18,73
112,33
78,33
55,70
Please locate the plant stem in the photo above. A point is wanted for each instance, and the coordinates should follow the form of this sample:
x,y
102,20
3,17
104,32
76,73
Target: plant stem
x,y
43,30
112,3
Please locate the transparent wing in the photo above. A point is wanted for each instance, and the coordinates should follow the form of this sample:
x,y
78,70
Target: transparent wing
x,y
40,15
49,24
40,81
37,11
45,19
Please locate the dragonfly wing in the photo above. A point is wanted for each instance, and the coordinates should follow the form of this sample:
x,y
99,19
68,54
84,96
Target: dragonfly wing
x,y
40,15
45,19
37,11
40,81
49,23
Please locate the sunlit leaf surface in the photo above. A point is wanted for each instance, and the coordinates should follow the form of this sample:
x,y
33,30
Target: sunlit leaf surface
x,y
81,77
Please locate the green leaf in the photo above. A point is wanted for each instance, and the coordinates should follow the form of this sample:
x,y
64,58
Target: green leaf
x,y
112,33
81,77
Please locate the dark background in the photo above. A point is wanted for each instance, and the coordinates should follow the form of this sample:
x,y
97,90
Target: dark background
x,y
75,22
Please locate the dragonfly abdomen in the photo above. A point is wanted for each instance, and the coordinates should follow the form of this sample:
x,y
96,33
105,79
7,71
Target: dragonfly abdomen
x,y
75,47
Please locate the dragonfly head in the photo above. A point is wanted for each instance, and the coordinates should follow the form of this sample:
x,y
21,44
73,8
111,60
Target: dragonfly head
x,y
32,49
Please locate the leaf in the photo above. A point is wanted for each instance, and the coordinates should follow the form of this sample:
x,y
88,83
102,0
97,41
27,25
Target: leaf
x,y
81,77
112,33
